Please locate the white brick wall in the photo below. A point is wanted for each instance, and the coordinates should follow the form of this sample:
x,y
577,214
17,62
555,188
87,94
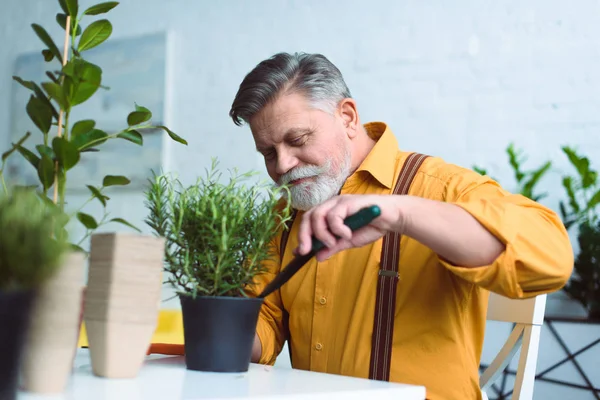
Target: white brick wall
x,y
459,79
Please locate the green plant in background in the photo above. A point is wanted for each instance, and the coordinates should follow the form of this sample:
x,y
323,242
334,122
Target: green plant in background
x,y
583,191
582,210
527,180
71,82
218,235
29,251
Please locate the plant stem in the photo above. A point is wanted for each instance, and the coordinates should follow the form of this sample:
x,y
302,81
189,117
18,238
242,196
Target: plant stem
x,y
3,181
60,117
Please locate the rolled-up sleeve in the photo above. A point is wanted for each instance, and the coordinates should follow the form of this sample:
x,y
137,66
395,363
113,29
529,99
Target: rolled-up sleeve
x,y
269,328
538,256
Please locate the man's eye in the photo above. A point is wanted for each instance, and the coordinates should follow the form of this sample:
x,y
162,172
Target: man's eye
x,y
269,155
299,141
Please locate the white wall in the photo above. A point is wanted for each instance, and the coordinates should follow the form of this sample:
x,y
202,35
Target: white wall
x,y
455,79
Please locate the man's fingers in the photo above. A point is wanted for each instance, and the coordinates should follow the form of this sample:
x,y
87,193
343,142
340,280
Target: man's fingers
x,y
335,221
304,235
319,227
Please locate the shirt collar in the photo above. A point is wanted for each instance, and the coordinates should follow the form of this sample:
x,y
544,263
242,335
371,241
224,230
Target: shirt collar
x,y
381,160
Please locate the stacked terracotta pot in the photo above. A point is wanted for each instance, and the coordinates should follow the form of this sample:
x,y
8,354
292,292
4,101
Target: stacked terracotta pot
x,y
122,301
54,329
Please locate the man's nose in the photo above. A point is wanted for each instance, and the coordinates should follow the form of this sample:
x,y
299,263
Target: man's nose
x,y
285,162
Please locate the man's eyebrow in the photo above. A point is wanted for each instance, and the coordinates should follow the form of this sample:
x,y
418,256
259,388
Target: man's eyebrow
x,y
296,131
288,133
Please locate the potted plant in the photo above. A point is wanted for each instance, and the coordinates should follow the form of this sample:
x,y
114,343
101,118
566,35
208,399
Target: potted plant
x,y
30,254
582,210
218,236
72,81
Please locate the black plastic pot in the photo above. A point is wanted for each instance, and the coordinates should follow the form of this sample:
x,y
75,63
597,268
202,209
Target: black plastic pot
x,y
219,332
15,307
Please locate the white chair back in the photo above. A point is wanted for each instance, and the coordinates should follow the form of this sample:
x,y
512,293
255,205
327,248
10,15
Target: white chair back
x,y
528,317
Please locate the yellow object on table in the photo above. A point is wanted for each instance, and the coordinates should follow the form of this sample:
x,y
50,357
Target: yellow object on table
x,y
167,338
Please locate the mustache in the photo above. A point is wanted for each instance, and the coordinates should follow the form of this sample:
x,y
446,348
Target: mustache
x,y
305,171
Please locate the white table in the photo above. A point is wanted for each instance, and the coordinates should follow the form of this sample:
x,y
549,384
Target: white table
x,y
165,377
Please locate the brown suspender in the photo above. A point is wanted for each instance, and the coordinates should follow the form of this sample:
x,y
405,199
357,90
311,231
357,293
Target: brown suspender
x,y
383,323
385,302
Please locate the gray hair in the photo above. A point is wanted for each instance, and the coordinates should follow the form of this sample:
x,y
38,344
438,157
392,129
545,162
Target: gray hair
x,y
313,75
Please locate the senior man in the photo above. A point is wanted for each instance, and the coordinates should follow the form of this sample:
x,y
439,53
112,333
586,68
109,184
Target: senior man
x,y
403,299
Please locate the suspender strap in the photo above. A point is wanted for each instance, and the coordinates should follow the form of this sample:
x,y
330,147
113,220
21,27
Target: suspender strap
x,y
383,324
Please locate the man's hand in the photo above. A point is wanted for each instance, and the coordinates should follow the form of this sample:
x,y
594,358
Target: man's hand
x,y
327,221
447,229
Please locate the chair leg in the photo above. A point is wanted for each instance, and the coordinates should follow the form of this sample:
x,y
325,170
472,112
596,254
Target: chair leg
x,y
503,358
525,378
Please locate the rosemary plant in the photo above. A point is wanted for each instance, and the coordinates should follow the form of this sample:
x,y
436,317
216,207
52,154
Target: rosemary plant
x,y
218,235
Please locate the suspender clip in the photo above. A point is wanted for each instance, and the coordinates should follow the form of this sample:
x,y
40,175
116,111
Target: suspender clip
x,y
388,273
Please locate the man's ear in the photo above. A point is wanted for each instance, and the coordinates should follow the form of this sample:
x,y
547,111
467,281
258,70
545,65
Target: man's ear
x,y
349,114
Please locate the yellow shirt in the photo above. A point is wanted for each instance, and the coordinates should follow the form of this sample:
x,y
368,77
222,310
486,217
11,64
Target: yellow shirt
x,y
440,308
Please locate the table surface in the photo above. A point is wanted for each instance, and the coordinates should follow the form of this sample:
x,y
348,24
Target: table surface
x,y
165,377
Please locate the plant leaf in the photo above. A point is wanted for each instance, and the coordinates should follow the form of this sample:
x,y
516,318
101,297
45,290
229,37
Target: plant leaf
x,y
28,84
115,180
534,179
96,33
87,220
515,162
47,54
132,136
122,221
97,194
66,152
52,77
568,185
173,135
47,40
38,92
82,127
45,150
40,113
63,5
29,156
137,117
594,201
55,91
75,247
581,164
14,147
142,109
89,139
84,79
101,8
46,171
62,21
71,7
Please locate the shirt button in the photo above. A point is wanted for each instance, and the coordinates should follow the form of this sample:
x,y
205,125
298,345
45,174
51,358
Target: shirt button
x,y
318,346
323,300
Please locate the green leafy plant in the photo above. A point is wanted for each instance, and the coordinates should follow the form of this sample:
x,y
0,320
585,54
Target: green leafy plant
x,y
72,80
527,180
218,235
582,189
582,210
30,253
